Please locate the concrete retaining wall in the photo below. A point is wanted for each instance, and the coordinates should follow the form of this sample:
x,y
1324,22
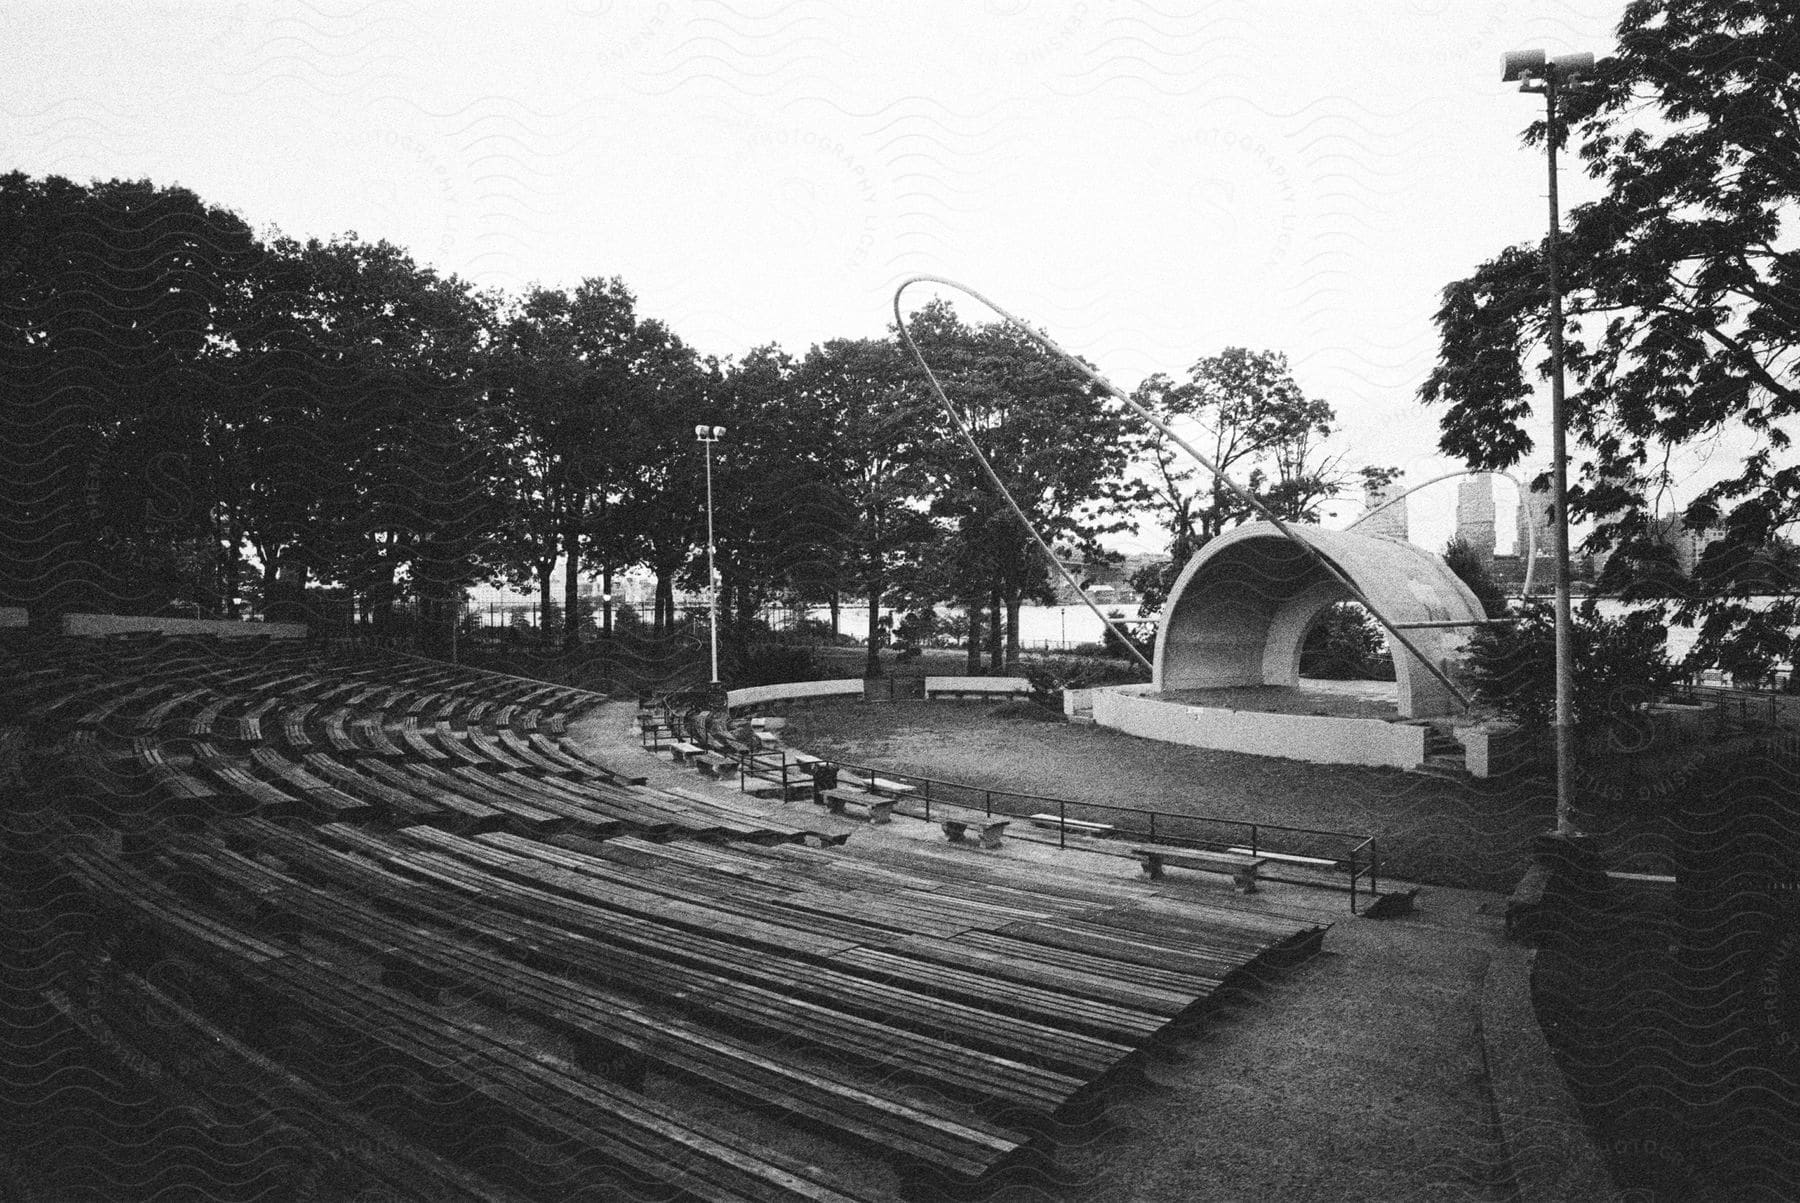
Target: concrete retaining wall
x,y
1135,710
996,685
1077,700
758,695
13,616
1493,749
124,624
1552,1156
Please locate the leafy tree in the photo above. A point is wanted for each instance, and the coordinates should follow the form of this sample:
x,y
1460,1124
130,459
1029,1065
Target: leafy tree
x,y
664,509
1252,417
1052,436
770,468
582,382
358,399
1461,558
1246,413
110,307
867,520
1684,293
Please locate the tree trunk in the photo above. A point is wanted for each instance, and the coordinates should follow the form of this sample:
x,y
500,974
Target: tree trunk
x,y
606,599
872,662
544,569
1012,635
286,599
233,565
662,620
974,660
571,586
834,615
437,608
995,628
746,607
381,597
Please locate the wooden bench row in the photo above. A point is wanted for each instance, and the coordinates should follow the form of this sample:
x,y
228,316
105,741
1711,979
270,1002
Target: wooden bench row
x,y
618,1032
304,1130
741,950
404,1039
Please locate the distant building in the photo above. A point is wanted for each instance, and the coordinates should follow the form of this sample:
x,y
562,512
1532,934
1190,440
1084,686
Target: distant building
x,y
1686,544
1391,521
1534,524
1475,515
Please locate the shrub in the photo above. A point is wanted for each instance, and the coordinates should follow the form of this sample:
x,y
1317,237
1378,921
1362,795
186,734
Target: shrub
x,y
1049,676
775,664
1346,644
1046,684
1620,663
1115,646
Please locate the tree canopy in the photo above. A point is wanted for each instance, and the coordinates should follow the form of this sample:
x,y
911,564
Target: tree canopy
x,y
220,421
1250,417
1683,287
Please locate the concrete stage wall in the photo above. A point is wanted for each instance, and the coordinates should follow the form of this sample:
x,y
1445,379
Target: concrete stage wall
x,y
1136,710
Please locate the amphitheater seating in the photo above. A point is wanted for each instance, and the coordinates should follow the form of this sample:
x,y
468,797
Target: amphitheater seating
x,y
407,861
623,1130
225,1073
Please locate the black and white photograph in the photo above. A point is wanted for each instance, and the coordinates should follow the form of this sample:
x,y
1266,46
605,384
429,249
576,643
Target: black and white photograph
x,y
1010,601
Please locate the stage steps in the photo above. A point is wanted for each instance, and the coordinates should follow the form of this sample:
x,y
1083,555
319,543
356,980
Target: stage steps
x,y
1444,753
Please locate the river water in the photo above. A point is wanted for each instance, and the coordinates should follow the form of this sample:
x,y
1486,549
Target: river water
x,y
1063,627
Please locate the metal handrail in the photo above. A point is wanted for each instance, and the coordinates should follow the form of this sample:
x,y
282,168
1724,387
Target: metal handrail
x,y
1356,866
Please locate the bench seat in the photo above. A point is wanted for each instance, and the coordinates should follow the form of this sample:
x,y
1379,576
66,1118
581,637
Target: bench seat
x,y
713,764
880,810
1241,869
1291,858
1081,825
987,831
880,785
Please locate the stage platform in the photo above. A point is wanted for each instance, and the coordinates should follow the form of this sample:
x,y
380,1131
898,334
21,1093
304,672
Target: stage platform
x,y
1313,696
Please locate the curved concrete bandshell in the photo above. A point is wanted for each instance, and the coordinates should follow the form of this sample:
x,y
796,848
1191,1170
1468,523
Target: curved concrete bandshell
x,y
1240,610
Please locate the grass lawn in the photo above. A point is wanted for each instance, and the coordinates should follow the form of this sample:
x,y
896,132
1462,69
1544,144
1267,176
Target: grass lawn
x,y
1460,833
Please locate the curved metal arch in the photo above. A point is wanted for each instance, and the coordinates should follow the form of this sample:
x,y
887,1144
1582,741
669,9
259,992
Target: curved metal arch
x,y
1049,344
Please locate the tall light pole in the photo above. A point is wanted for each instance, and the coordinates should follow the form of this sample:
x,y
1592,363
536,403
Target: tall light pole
x,y
709,435
1552,77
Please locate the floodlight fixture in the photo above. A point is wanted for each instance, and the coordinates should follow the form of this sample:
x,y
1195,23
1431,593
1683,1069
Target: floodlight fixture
x,y
1536,73
1518,64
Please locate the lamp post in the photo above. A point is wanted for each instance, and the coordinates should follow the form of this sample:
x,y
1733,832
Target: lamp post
x,y
1553,77
709,435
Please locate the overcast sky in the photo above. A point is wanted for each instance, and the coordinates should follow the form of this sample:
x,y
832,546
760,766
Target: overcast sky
x,y
1150,182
